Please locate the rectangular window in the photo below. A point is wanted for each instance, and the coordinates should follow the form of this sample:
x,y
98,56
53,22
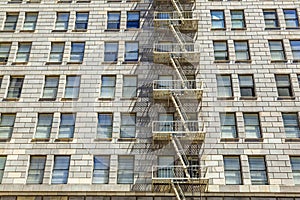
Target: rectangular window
x,y
283,84
23,52
165,167
241,50
217,19
108,84
252,125
232,170
77,51
7,125
113,20
221,51
246,86
295,164
36,170
128,125
101,169
133,19
62,21
81,22
1,78
228,125
291,125
105,125
15,87
291,18
131,51
276,50
72,87
60,171
271,19
2,166
237,19
30,21
224,88
4,52
295,46
126,170
10,23
129,86
258,170
67,125
50,87
57,52
111,51
44,126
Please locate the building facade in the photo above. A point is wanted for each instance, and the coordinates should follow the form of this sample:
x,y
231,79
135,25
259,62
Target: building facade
x,y
149,99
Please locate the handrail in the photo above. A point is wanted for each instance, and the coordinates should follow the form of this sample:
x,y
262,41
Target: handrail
x,y
176,47
177,127
187,15
176,172
177,85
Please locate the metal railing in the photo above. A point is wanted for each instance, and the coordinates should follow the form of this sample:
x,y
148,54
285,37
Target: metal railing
x,y
176,48
176,172
176,85
187,15
177,127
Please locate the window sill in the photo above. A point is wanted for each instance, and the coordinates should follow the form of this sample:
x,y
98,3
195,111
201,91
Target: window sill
x,y
218,29
26,31
7,31
11,99
273,28
225,98
221,61
110,62
59,31
292,139
63,140
131,62
106,98
112,30
103,139
127,139
128,98
238,29
292,28
133,29
278,61
47,99
5,139
286,98
243,61
295,61
3,63
79,30
40,140
19,63
74,62
248,98
87,1
230,139
53,63
69,99
254,139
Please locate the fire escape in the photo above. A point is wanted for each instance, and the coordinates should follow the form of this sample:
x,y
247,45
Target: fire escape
x,y
180,53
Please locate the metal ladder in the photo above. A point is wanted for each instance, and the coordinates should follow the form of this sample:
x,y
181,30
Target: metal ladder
x,y
178,191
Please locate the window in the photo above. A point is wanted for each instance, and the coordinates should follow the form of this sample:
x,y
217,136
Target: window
x,y
295,163
126,169
224,86
2,166
62,21
228,125
221,51
291,18
131,51
133,19
10,23
165,167
77,51
57,51
129,86
252,125
113,20
50,87
276,50
258,171
44,125
72,87
1,78
36,170
15,87
217,19
291,125
23,52
4,52
111,51
232,170
67,125
166,122
105,125
237,19
60,171
271,19
101,169
30,21
6,125
108,84
246,85
295,45
241,50
284,88
81,22
128,124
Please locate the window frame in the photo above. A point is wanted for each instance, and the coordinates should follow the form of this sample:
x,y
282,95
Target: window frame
x,y
285,86
256,125
125,126
36,170
129,89
59,52
84,22
28,20
18,86
9,126
241,19
108,52
115,23
273,51
9,22
291,126
102,124
77,50
4,55
130,49
263,181
295,49
108,86
295,169
104,168
135,21
224,51
64,169
224,124
125,170
236,169
60,20
25,53
274,19
217,20
244,50
294,19
65,124
247,86
2,166
46,87
43,125
223,86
